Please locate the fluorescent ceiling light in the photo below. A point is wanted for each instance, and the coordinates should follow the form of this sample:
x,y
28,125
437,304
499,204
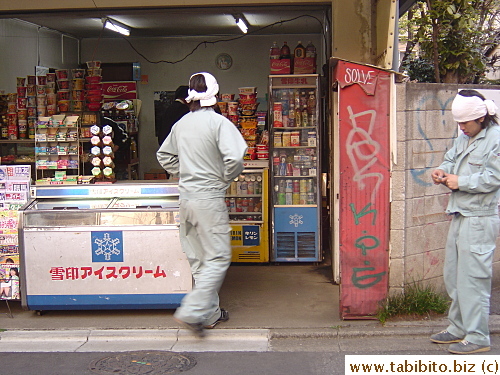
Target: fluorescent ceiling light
x,y
241,22
116,26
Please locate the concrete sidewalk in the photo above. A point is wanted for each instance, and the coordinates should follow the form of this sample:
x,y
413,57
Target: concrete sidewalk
x,y
271,308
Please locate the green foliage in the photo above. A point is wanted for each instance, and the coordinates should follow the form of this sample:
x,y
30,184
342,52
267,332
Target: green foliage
x,y
454,35
419,70
415,300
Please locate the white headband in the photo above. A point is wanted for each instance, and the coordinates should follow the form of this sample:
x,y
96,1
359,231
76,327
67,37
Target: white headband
x,y
468,108
206,98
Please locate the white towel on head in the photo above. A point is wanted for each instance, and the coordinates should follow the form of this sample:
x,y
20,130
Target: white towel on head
x,y
207,98
468,108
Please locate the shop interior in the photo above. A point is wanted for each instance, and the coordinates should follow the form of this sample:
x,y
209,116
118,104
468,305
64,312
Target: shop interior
x,y
164,48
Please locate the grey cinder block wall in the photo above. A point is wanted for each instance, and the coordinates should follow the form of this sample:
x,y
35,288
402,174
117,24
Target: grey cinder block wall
x,y
419,226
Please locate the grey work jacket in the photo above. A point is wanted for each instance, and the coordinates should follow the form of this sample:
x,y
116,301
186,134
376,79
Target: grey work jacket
x,y
478,168
205,150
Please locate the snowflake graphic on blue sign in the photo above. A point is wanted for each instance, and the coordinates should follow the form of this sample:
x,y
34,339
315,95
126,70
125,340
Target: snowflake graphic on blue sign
x,y
296,219
107,246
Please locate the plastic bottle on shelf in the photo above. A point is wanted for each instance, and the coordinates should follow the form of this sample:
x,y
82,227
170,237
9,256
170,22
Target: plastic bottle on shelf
x,y
311,52
274,53
300,51
285,51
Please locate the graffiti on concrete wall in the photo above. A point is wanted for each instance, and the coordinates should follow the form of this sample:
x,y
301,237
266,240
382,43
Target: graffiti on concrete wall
x,y
421,176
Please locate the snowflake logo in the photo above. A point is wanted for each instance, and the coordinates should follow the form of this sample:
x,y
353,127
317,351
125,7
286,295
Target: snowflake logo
x,y
107,246
296,219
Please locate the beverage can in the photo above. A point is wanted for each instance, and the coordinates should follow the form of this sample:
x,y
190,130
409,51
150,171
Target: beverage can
x,y
303,186
244,205
310,198
288,186
281,198
296,186
288,199
250,187
295,198
303,198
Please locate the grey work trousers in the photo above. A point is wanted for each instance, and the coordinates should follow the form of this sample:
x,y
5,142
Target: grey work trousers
x,y
204,235
467,275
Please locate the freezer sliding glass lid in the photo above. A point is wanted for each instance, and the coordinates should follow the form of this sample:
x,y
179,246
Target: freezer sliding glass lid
x,y
147,203
69,204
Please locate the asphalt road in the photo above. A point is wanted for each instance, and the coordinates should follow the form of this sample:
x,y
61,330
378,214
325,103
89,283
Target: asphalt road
x,y
315,356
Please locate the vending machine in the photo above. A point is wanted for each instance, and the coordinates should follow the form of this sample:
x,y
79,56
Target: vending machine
x,y
295,174
247,201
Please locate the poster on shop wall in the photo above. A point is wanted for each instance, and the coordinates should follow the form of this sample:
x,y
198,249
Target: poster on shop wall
x,y
14,192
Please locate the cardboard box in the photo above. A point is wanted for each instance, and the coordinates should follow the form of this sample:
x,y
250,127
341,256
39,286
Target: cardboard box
x,y
281,66
305,65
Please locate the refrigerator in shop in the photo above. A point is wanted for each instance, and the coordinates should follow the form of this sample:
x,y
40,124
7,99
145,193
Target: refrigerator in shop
x,y
295,199
102,247
247,201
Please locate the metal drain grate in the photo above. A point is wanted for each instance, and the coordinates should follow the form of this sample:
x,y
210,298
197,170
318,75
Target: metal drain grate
x,y
142,362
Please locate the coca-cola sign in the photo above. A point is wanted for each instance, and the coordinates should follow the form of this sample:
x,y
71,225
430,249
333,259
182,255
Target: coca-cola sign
x,y
115,91
280,66
305,65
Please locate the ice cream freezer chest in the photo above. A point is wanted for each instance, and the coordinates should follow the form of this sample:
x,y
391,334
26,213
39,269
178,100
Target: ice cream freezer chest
x,y
103,247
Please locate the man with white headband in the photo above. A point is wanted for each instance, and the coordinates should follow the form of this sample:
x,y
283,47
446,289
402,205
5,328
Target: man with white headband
x,y
205,150
471,170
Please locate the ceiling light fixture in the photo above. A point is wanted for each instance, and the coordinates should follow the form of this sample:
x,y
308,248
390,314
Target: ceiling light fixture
x,y
241,22
116,26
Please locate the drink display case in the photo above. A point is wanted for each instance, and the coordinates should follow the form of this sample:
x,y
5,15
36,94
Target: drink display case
x,y
247,203
103,247
295,170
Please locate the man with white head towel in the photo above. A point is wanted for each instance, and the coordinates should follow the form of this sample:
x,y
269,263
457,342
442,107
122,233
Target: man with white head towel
x,y
205,150
471,170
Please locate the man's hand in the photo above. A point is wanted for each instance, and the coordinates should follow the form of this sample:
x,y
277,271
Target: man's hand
x,y
437,176
451,181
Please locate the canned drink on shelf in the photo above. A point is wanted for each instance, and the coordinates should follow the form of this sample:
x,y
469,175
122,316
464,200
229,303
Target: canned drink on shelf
x,y
288,199
295,198
303,186
288,186
239,204
244,205
233,188
311,198
251,204
232,205
303,198
250,187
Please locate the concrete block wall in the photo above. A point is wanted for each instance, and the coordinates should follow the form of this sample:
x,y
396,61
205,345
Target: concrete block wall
x,y
419,226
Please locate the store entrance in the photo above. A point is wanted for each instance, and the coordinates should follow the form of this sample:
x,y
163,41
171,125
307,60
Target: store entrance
x,y
281,296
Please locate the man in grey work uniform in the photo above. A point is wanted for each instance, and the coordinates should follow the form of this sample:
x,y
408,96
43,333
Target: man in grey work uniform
x,y
206,151
471,170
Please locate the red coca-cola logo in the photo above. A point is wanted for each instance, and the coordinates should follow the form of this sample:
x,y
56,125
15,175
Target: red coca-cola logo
x,y
306,62
279,64
117,89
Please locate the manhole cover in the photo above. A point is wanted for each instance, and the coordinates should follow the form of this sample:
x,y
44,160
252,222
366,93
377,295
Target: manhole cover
x,y
150,363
